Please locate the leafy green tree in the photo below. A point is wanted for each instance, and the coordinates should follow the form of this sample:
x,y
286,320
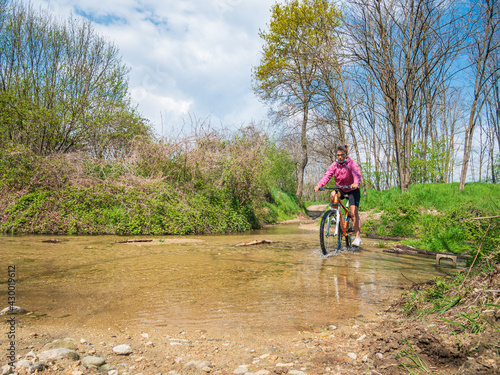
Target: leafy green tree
x,y
61,85
428,164
289,71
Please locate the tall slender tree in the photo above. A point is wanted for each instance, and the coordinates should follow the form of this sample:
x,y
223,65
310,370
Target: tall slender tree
x,y
288,73
484,45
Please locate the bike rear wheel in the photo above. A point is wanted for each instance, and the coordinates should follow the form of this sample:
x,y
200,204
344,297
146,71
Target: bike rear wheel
x,y
330,242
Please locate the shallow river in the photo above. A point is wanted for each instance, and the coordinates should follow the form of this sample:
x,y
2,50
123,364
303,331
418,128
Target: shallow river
x,y
204,282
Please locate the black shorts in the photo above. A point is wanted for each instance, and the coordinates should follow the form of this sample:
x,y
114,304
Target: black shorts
x,y
354,197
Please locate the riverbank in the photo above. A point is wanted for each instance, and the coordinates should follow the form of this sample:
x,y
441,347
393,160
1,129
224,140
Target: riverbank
x,y
201,185
198,352
92,293
385,342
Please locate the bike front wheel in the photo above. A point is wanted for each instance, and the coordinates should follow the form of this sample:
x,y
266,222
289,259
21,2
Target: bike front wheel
x,y
350,231
329,240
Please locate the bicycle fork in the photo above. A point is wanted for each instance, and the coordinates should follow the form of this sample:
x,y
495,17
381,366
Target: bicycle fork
x,y
337,220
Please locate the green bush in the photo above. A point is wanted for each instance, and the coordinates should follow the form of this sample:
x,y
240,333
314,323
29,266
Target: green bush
x,y
162,188
439,217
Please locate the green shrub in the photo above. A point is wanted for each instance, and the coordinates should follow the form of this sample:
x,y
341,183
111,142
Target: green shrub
x,y
161,188
439,216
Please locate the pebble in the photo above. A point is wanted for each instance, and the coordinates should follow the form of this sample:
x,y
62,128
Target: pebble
x,y
66,343
352,355
93,361
106,367
241,370
262,372
122,349
57,353
332,327
23,363
13,310
205,366
296,372
31,355
6,370
361,338
39,367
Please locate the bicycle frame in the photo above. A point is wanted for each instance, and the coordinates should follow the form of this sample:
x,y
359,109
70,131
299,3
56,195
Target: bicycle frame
x,y
336,204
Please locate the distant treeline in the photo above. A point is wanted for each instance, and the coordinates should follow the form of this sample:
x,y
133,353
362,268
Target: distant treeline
x,y
411,85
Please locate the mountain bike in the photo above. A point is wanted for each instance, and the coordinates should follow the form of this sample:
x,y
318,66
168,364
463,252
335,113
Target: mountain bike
x,y
336,224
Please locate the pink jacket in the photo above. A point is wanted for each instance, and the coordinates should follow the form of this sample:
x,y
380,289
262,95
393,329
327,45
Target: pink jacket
x,y
347,173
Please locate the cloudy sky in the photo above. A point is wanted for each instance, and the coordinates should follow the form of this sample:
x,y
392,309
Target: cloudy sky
x,y
188,58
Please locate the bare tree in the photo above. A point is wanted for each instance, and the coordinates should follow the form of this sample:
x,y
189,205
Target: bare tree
x,y
484,43
287,73
406,47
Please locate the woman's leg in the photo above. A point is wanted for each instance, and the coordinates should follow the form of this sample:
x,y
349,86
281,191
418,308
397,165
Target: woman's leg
x,y
354,198
356,223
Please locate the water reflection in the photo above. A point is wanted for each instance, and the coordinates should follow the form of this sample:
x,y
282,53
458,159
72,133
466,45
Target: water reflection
x,y
205,282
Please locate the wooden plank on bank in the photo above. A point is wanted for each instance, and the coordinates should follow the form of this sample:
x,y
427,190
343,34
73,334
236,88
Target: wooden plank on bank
x,y
405,249
386,238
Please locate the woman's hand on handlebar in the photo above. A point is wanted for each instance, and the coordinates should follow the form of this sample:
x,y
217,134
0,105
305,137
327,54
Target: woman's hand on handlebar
x,y
316,188
355,186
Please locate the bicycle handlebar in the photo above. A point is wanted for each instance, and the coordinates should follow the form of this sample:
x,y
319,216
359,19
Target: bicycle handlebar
x,y
335,188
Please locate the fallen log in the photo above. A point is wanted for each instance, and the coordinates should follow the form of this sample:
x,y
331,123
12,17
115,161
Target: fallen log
x,y
256,243
405,249
387,238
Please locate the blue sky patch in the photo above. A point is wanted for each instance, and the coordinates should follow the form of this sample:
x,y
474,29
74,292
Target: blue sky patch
x,y
101,19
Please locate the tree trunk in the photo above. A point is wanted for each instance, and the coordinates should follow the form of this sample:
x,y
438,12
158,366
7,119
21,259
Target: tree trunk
x,y
467,145
303,149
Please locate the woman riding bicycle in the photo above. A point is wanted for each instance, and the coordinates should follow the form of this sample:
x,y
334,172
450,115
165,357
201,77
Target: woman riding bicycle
x,y
346,172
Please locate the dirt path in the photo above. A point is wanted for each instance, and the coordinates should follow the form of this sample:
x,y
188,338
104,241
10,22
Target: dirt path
x,y
382,346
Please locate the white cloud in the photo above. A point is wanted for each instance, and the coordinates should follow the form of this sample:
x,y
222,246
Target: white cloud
x,y
186,57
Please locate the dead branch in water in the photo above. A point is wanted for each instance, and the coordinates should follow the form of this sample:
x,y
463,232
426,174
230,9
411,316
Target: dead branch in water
x,y
131,241
256,243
